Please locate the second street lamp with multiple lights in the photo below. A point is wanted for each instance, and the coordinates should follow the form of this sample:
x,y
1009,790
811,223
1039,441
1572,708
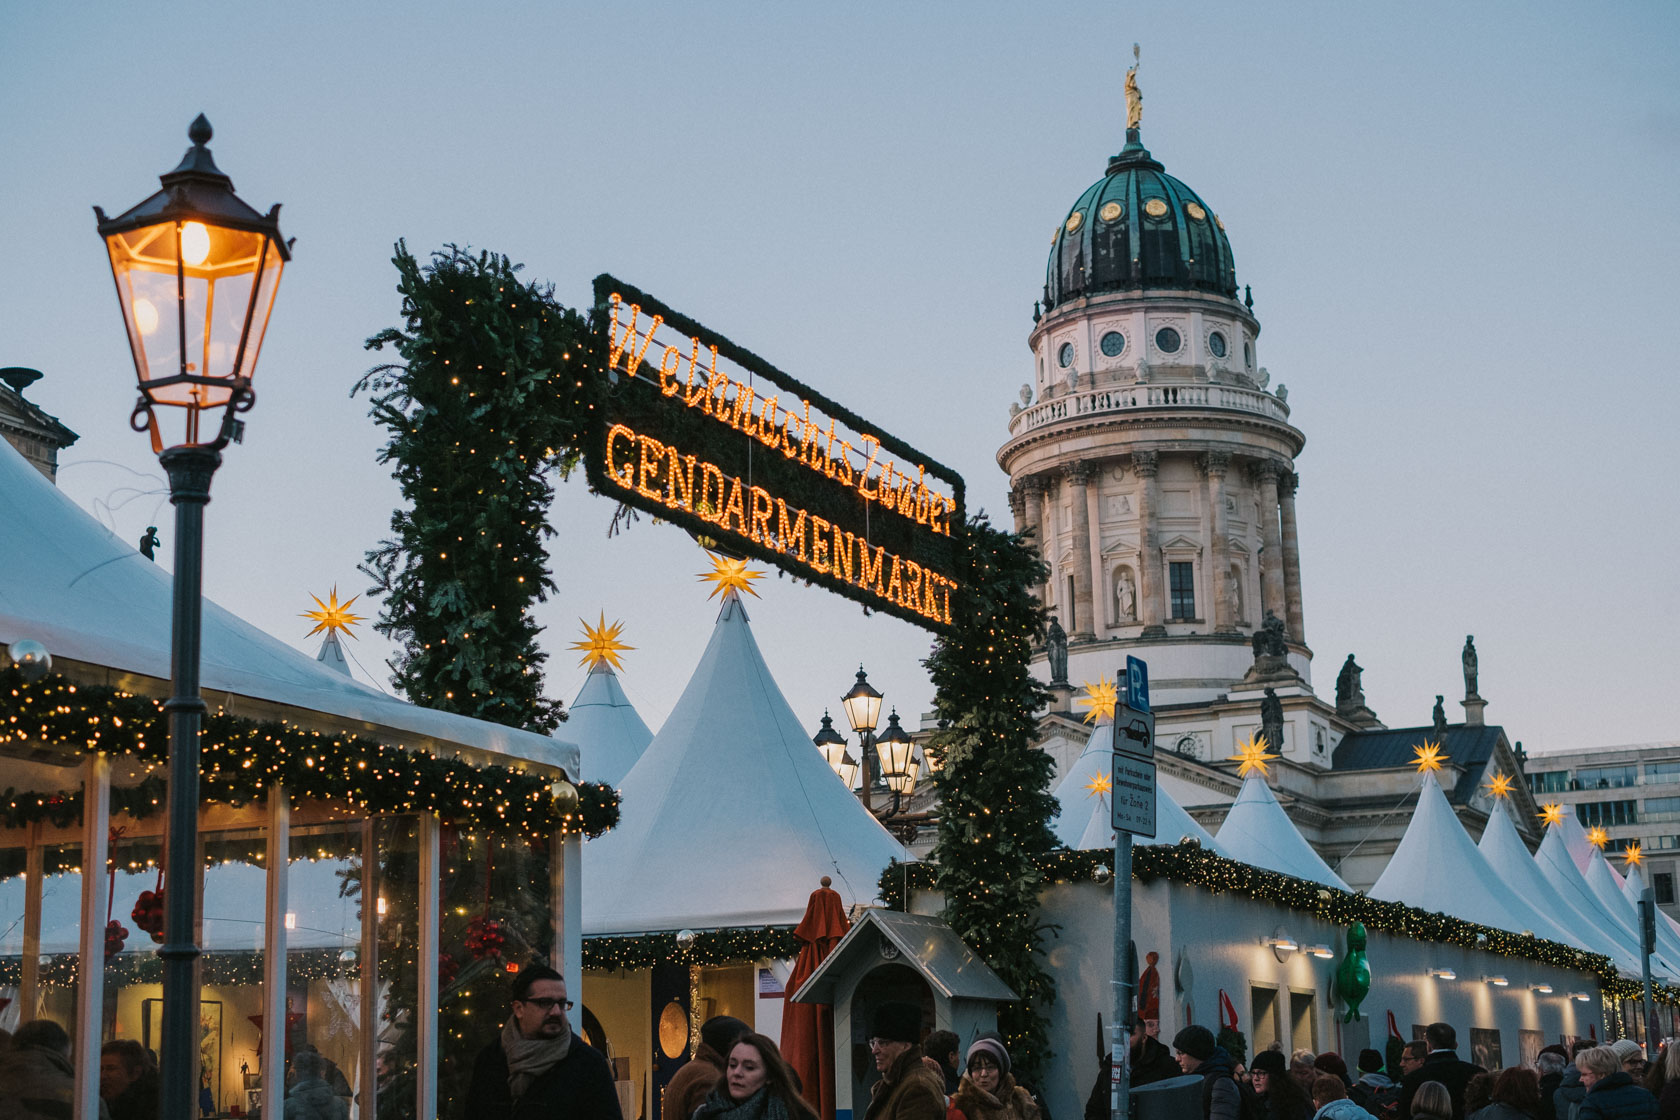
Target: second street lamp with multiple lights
x,y
196,270
863,711
891,758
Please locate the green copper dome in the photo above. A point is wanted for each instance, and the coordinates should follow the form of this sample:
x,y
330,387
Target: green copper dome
x,y
1138,227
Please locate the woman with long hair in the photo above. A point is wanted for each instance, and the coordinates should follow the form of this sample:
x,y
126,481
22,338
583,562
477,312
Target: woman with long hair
x,y
1516,1096
1432,1102
1668,1098
988,1090
1278,1088
757,1085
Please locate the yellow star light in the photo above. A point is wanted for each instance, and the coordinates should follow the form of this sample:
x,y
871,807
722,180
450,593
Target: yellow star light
x,y
1428,757
1597,837
600,644
1251,756
1101,698
1633,855
333,616
730,575
1500,785
1098,785
1551,814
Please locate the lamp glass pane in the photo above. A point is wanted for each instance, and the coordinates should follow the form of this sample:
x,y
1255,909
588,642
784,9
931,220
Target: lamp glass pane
x,y
863,710
895,756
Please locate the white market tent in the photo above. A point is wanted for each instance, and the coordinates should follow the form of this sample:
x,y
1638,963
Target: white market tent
x,y
1668,942
88,596
1086,817
1437,867
1558,866
1259,832
609,727
1509,859
730,817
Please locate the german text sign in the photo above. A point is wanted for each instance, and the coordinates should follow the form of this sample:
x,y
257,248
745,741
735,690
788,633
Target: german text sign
x,y
1133,795
697,430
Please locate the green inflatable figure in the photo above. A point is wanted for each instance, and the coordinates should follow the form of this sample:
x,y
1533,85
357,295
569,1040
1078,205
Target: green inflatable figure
x,y
1353,975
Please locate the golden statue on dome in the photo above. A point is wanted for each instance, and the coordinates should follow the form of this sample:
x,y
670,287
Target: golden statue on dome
x,y
1134,98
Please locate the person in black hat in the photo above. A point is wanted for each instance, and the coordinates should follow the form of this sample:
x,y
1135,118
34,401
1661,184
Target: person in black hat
x,y
1375,1091
1150,1062
1200,1055
1277,1088
909,1089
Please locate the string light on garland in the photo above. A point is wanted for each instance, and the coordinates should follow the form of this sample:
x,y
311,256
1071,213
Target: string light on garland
x,y
600,644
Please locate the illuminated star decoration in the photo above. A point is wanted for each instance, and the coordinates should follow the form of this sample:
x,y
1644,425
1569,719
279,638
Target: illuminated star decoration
x,y
1251,757
1428,758
600,644
1597,837
1101,698
730,575
1551,814
1500,784
333,616
1098,785
1633,855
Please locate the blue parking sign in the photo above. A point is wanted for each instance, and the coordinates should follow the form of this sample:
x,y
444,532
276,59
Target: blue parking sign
x,y
1137,684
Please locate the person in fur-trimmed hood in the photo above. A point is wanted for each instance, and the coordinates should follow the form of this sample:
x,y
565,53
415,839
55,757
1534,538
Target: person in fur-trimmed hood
x,y
988,1091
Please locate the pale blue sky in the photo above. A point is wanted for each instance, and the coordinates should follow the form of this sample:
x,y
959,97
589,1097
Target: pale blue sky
x,y
1458,220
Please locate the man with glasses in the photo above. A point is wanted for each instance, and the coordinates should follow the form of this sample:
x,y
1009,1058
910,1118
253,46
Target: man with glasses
x,y
909,1089
538,1069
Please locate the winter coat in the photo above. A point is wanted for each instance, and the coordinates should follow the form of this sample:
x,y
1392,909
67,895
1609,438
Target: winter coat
x,y
1617,1098
1443,1066
1010,1102
311,1098
692,1084
1221,1098
1668,1101
38,1084
1501,1110
909,1091
137,1102
1548,1088
1151,1062
578,1087
1374,1092
1570,1093
1341,1109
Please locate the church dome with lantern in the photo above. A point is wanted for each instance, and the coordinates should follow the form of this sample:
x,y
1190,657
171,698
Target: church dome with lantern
x,y
1138,227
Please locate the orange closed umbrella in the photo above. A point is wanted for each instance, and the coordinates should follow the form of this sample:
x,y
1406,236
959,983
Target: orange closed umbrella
x,y
808,1028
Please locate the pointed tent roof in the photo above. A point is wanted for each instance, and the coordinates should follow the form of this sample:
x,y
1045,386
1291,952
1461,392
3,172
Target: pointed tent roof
x,y
1668,939
1258,831
1086,818
1566,878
1509,858
332,654
1437,867
612,732
730,816
90,597
1581,849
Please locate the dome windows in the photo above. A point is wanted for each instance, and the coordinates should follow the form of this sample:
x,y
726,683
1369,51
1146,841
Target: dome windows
x,y
1155,208
1248,354
1195,211
1064,356
1113,344
1111,212
1075,220
1216,344
1167,340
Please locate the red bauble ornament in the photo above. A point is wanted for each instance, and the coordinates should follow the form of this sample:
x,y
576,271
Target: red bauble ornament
x,y
116,936
448,967
485,939
147,914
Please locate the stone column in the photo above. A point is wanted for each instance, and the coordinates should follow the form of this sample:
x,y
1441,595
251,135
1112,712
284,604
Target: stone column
x,y
1271,544
1100,592
1214,466
1018,506
1032,491
1147,464
1291,557
1078,475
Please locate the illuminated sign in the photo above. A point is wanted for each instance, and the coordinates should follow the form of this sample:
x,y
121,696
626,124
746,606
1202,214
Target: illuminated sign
x,y
695,429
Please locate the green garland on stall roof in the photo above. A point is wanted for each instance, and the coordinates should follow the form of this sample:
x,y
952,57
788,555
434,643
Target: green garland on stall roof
x,y
738,945
241,758
1193,865
137,965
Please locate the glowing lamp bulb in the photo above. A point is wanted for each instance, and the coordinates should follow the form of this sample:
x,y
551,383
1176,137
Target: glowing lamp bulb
x,y
195,243
381,906
145,315
291,920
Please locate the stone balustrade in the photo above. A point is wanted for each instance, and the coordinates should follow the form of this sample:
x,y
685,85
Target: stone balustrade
x,y
1126,398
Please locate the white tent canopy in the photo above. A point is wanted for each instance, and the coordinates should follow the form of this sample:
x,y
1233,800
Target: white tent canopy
x,y
1258,831
1509,858
1558,865
1086,820
608,726
90,597
730,817
1437,867
1668,941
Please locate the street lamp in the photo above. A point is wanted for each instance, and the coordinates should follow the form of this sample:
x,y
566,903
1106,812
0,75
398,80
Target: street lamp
x,y
898,760
830,742
863,711
196,271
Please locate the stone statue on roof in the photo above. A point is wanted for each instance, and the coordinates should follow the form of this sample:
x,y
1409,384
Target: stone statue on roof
x,y
1350,691
1271,720
1134,96
1269,637
1055,644
1469,658
1440,716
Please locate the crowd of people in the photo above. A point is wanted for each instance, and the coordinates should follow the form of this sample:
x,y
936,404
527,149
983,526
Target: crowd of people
x,y
1584,1082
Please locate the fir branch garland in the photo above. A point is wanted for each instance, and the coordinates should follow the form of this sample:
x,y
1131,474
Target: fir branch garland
x,y
735,945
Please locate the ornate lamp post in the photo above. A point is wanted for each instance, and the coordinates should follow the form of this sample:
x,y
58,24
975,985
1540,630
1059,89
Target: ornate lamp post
x,y
196,270
863,711
832,744
899,763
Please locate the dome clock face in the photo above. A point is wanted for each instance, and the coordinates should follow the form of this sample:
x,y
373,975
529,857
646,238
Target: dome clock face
x,y
1113,343
1216,343
1064,356
1167,340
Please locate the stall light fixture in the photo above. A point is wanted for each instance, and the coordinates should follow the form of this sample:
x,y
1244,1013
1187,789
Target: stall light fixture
x,y
1582,996
1322,952
382,906
1543,989
291,920
1443,973
1283,944
1497,981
